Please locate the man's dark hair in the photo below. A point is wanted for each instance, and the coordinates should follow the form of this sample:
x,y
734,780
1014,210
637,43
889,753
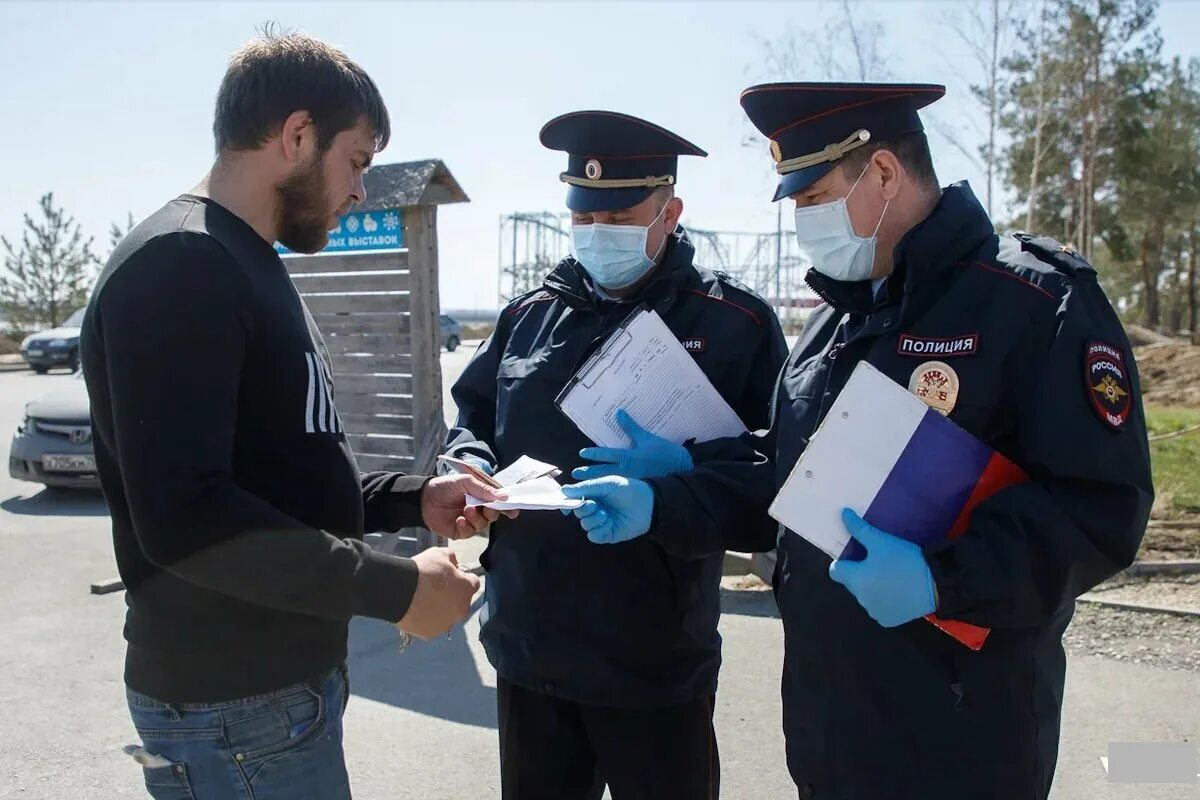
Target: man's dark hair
x,y
910,149
663,195
277,74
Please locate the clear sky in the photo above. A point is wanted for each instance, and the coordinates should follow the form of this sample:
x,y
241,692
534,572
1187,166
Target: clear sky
x,y
110,104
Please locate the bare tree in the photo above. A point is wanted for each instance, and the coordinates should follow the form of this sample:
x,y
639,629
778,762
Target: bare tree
x,y
844,48
864,38
1041,78
1193,243
987,30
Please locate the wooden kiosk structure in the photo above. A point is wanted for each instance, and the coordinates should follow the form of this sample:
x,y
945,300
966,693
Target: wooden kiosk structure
x,y
373,292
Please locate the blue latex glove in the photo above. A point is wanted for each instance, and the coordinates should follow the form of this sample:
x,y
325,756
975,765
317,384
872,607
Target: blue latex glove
x,y
893,582
650,456
617,509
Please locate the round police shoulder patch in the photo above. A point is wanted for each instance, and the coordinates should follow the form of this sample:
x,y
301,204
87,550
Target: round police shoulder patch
x,y
1106,377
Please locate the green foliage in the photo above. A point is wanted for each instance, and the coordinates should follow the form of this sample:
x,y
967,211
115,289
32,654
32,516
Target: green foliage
x,y
1175,459
50,272
1104,150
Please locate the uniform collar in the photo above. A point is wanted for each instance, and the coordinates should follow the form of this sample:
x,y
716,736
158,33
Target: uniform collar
x,y
957,226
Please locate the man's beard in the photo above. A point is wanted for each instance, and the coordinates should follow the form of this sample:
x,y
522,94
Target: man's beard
x,y
303,217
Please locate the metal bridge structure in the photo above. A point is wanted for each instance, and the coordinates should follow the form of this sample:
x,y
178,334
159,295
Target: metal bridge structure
x,y
532,243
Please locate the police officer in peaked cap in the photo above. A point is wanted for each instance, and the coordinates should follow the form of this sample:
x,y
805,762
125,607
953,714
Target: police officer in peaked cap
x,y
603,627
1013,339
878,703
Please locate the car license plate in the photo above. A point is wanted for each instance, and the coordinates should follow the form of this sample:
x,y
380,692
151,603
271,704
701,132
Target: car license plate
x,y
37,353
69,463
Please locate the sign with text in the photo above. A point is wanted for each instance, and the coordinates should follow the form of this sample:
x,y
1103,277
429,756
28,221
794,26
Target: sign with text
x,y
363,230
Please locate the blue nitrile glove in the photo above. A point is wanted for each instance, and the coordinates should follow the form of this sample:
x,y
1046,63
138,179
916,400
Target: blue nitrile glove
x,y
893,582
617,509
650,456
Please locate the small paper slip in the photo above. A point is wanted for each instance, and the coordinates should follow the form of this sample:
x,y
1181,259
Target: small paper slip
x,y
524,469
539,494
643,369
900,465
529,484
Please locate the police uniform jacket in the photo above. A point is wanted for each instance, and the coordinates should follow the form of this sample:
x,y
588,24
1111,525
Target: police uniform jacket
x,y
632,624
1045,376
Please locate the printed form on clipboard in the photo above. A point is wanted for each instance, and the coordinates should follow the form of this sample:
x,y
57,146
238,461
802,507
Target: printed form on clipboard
x,y
644,369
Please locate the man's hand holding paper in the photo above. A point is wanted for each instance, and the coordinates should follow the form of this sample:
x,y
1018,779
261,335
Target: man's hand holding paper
x,y
526,484
447,510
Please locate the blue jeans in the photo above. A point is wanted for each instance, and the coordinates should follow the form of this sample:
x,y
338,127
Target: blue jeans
x,y
286,745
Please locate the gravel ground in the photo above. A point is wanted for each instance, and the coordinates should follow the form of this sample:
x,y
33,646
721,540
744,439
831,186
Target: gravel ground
x,y
1161,640
1174,591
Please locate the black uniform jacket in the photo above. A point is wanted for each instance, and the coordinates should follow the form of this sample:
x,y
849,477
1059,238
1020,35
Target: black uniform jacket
x,y
1045,376
632,624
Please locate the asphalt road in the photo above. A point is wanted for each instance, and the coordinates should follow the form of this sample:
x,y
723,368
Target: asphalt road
x,y
421,724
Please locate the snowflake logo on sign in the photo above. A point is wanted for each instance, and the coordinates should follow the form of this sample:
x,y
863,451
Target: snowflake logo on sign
x,y
391,221
369,223
352,224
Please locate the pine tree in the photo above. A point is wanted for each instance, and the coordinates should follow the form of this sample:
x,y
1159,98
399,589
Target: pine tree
x,y
49,274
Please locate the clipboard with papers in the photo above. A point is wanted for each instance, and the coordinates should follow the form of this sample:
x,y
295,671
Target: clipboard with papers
x,y
643,369
903,466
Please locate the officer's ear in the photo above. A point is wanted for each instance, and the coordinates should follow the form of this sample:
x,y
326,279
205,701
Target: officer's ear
x,y
889,173
672,213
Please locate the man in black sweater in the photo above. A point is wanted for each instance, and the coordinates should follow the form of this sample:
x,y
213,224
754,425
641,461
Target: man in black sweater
x,y
238,508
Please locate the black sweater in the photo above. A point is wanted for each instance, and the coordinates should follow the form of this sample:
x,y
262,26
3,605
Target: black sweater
x,y
238,509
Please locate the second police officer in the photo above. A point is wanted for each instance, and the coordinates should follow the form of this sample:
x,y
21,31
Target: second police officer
x,y
606,644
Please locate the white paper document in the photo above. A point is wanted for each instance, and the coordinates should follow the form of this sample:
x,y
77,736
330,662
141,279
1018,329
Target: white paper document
x,y
539,494
529,484
524,469
643,369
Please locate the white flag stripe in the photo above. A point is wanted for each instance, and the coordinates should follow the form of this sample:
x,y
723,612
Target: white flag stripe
x,y
849,458
312,387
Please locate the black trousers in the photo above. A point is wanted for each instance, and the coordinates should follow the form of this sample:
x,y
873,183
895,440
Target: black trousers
x,y
553,749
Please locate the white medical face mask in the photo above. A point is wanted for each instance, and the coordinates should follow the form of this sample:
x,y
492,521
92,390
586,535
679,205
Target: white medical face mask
x,y
825,235
614,255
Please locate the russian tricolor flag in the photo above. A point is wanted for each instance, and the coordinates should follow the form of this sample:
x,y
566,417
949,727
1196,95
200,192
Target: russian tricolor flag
x,y
901,465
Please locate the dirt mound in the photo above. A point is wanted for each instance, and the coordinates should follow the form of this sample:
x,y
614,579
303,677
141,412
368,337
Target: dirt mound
x,y
1139,336
1170,374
